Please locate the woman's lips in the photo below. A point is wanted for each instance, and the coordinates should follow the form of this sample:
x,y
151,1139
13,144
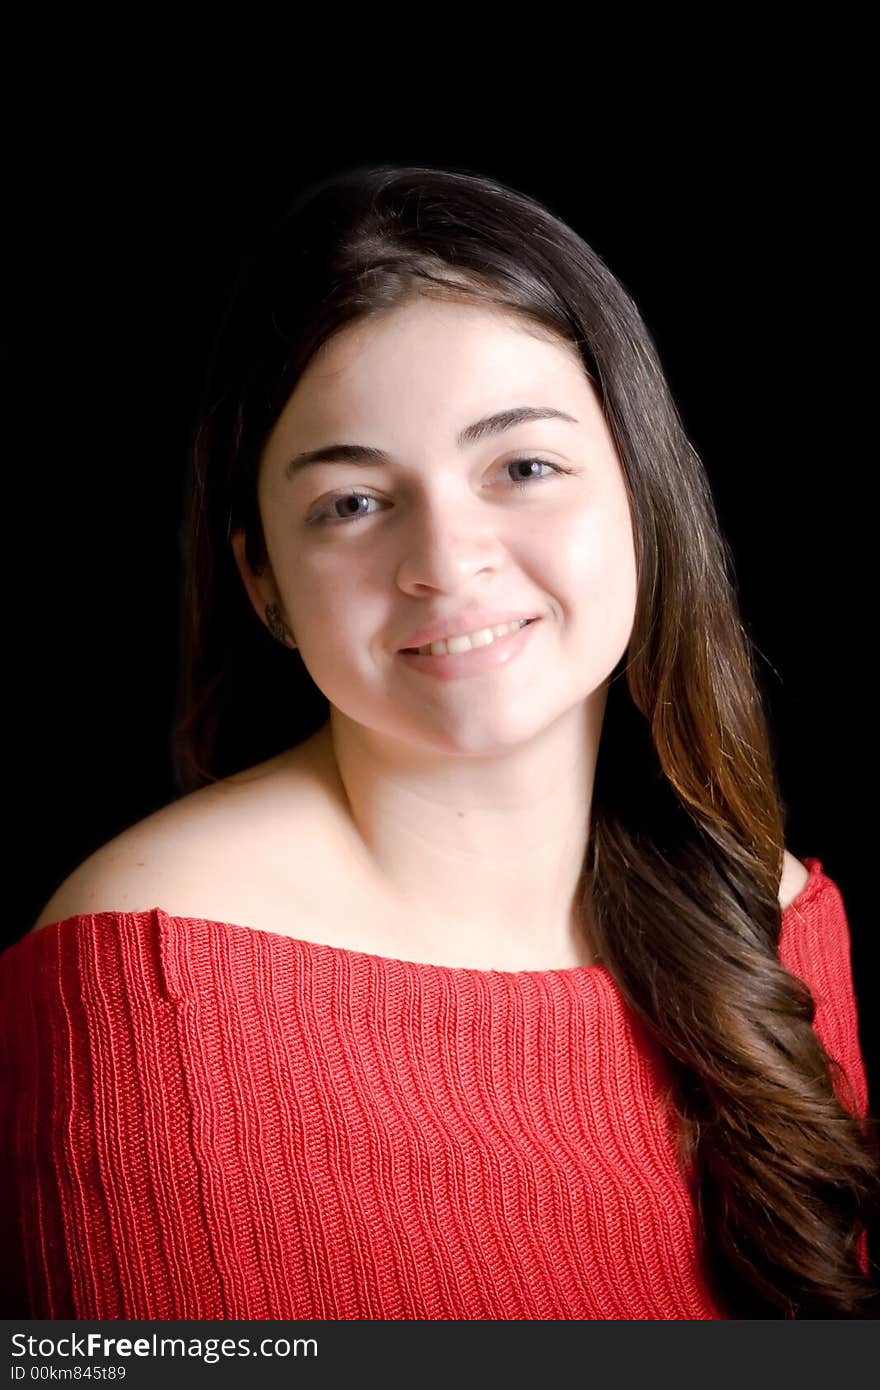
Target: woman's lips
x,y
455,665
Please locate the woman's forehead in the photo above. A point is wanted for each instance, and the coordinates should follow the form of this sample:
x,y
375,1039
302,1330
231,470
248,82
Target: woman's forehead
x,y
457,356
427,316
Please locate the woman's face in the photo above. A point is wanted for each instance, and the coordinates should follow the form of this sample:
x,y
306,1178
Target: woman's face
x,y
527,521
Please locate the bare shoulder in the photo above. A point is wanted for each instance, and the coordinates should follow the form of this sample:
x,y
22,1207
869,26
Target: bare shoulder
x,y
267,847
217,853
794,879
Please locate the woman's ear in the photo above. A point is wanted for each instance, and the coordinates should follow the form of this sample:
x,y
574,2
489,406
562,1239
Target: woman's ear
x,y
260,588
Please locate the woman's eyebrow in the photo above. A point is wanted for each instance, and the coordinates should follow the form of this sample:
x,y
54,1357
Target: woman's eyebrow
x,y
365,454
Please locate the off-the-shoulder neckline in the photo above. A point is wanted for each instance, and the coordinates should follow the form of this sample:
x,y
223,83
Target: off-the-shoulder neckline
x,y
281,940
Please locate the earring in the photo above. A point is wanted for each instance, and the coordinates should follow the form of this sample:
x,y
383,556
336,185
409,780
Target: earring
x,y
278,628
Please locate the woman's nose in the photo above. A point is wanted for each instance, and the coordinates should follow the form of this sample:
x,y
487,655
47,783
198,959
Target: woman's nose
x,y
442,546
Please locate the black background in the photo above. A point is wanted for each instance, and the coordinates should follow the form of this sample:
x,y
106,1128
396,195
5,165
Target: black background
x,y
737,230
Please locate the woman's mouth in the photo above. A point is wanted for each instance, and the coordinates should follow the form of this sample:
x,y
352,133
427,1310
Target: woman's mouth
x,y
484,637
472,654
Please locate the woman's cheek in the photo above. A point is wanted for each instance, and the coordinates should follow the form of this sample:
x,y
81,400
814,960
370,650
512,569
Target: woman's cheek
x,y
594,569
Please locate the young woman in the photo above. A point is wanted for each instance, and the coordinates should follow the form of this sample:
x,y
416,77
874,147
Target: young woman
x,y
469,977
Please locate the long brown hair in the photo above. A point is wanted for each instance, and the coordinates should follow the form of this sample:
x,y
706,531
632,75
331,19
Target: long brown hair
x,y
684,858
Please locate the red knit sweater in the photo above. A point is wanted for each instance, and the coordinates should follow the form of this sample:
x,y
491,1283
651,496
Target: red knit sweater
x,y
210,1121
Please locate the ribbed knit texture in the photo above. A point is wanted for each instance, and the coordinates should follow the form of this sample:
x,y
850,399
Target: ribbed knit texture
x,y
208,1121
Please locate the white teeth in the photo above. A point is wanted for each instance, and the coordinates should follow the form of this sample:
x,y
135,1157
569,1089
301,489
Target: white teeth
x,y
483,638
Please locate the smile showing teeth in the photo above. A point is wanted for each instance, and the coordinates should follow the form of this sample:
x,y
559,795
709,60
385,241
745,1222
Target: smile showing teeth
x,y
484,638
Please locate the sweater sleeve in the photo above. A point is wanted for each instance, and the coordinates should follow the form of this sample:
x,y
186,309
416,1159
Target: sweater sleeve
x,y
33,1065
815,946
89,1102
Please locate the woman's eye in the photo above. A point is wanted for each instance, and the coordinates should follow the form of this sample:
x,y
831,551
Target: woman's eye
x,y
528,475
349,507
